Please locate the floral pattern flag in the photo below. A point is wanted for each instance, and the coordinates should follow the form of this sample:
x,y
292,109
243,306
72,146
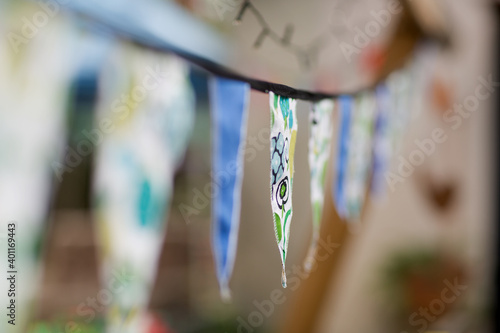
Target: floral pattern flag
x,y
320,134
229,106
283,137
35,80
147,106
359,155
400,85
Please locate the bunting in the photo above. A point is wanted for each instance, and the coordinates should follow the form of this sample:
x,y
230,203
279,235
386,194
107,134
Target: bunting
x,y
359,155
400,85
345,110
146,113
382,144
229,105
35,77
146,133
320,134
283,137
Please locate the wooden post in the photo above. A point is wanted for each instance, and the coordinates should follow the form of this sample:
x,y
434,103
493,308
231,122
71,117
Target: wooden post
x,y
308,299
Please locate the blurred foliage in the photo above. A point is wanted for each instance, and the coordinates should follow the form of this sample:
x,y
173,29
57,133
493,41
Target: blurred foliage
x,y
413,277
60,326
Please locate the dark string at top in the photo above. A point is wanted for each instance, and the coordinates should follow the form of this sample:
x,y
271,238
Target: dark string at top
x,y
122,30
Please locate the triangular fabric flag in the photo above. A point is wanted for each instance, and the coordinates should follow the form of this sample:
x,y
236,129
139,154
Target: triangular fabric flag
x,y
146,135
229,104
35,81
345,109
320,135
283,137
359,154
382,144
400,86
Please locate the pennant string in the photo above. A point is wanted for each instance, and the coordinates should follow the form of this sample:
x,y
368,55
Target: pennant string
x,y
143,38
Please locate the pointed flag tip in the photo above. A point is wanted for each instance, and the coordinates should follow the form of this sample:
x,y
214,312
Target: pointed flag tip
x,y
225,294
310,260
283,278
309,263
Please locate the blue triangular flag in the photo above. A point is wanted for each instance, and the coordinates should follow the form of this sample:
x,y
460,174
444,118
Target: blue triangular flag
x,y
345,108
229,104
382,147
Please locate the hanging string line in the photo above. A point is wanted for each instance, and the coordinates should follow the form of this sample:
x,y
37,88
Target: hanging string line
x,y
120,29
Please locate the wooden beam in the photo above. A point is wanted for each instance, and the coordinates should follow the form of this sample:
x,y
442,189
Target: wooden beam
x,y
308,299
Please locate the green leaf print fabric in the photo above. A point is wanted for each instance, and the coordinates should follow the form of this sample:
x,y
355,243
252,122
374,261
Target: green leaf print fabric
x,y
320,134
360,154
283,137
